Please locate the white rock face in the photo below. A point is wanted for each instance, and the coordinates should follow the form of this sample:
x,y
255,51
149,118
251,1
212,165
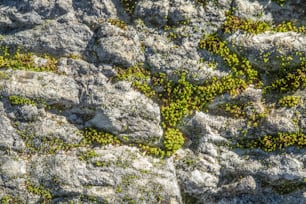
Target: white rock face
x,y
44,155
270,46
52,87
13,168
125,112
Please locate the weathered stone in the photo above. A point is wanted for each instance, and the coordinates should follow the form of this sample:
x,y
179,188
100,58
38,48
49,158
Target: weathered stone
x,y
270,51
52,88
125,112
117,47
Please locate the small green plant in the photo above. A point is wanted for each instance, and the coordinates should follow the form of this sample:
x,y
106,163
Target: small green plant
x,y
93,137
280,2
234,23
292,81
6,199
118,23
173,140
25,61
44,193
129,5
240,66
18,100
289,101
232,109
271,143
88,155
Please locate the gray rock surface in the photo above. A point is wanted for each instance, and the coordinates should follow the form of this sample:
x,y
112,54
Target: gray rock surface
x,y
44,155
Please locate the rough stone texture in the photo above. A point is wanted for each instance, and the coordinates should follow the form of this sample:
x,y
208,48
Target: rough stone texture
x,y
51,87
276,45
125,112
125,174
42,152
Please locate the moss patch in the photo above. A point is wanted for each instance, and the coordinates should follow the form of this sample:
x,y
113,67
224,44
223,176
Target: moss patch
x,y
129,5
271,143
233,23
25,61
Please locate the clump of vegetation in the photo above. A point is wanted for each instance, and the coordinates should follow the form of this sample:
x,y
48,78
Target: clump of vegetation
x,y
18,100
271,143
139,78
173,140
95,137
291,81
44,193
177,98
288,26
280,2
129,5
240,66
232,109
233,23
88,155
25,61
118,23
289,101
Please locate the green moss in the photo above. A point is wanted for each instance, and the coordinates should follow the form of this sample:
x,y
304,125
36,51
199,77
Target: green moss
x,y
96,137
18,100
235,110
25,61
233,23
280,2
240,66
88,155
289,101
289,187
3,75
271,143
291,81
6,199
177,98
129,5
44,193
173,140
118,23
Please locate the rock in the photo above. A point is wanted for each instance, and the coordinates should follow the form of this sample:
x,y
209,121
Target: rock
x,y
113,175
27,113
280,121
13,168
125,112
43,155
271,11
154,13
54,89
278,49
59,39
9,139
116,46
